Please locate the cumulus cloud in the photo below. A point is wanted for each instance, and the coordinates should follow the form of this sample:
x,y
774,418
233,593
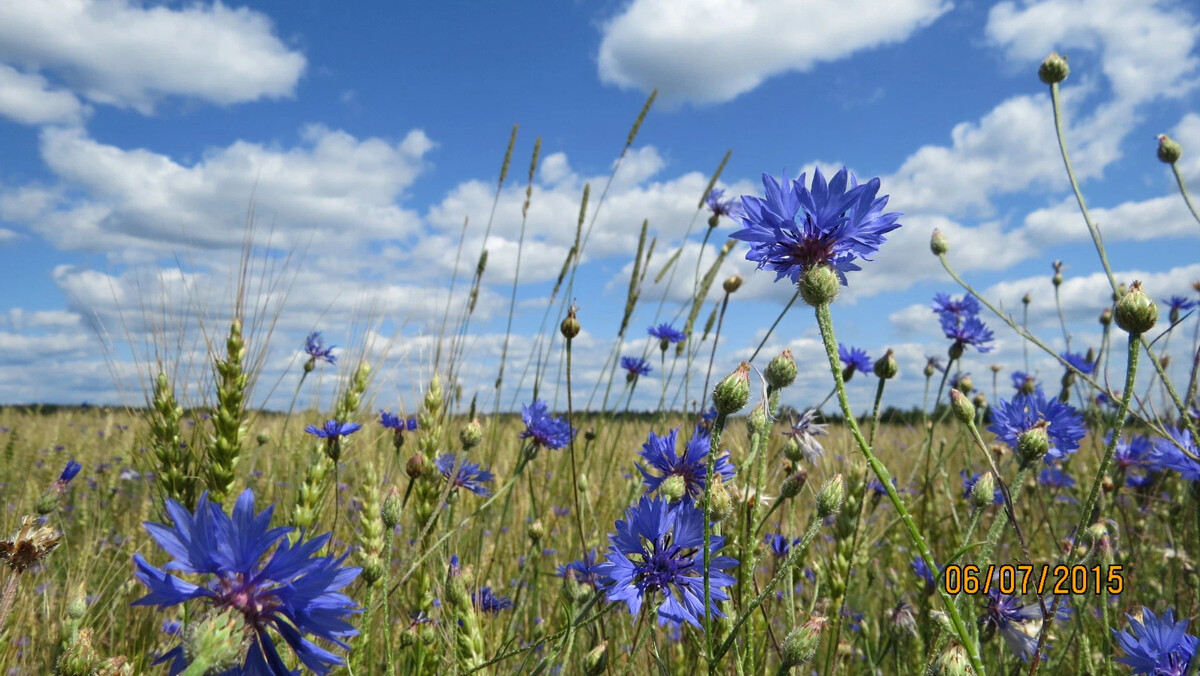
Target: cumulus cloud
x,y
713,51
29,98
121,53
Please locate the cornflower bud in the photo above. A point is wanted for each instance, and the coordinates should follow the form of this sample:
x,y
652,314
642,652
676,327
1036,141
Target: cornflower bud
x,y
80,658
781,372
570,326
471,435
733,283
720,506
829,500
218,641
819,285
801,643
1033,443
965,384
938,243
1054,69
1027,299
886,367
262,439
1106,317
393,509
416,467
758,423
979,400
1168,150
733,392
792,485
963,409
1136,312
984,491
536,531
595,661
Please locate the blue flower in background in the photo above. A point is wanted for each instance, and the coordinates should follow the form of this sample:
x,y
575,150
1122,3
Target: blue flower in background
x,y
1018,622
333,429
635,366
69,472
795,228
1011,419
717,206
544,429
395,422
804,433
1132,456
1023,382
292,591
966,306
922,571
315,348
659,454
471,476
966,331
854,359
659,548
582,570
1167,456
1079,362
1157,645
488,602
667,334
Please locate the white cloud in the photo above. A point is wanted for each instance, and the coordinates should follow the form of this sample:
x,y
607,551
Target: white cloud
x,y
120,53
29,98
714,50
331,192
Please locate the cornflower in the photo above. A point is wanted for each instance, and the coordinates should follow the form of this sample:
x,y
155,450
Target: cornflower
x,y
544,429
315,348
659,453
470,476
1015,418
1159,646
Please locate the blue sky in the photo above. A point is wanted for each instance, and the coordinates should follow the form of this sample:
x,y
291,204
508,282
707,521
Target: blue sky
x,y
136,137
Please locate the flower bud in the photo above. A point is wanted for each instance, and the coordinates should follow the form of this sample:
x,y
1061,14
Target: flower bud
x,y
792,449
77,607
1054,69
595,661
570,326
979,400
1033,443
1168,150
829,500
819,285
1106,317
80,658
983,493
792,485
590,434
1136,312
733,392
801,643
720,504
416,467
953,662
938,243
536,531
758,423
218,640
963,409
673,488
1027,299
965,384
929,369
372,569
471,435
1057,279
781,372
263,439
393,508
733,283
955,351
886,367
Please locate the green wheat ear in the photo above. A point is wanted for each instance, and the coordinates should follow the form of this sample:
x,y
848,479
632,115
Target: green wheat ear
x,y
228,418
175,474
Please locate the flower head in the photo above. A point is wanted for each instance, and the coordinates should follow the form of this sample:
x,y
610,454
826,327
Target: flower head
x,y
582,570
333,429
1079,362
1011,419
1159,646
1167,456
921,569
31,543
1178,304
780,545
796,228
854,358
1023,382
659,548
290,591
1132,455
488,602
659,454
968,484
1019,623
544,429
69,472
397,423
635,366
314,347
804,433
667,334
717,206
470,476
968,330
945,304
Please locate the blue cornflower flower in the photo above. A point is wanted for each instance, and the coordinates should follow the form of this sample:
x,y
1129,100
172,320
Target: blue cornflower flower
x,y
1079,361
659,548
471,476
717,206
582,570
967,331
397,423
1023,382
1011,419
1176,305
1159,646
635,366
853,359
292,591
544,429
794,228
488,602
945,304
315,348
877,488
1167,456
333,429
968,483
933,364
1017,622
659,453
69,472
922,570
779,544
666,334
1132,456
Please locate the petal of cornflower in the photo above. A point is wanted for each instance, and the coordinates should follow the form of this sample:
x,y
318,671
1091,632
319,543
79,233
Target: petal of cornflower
x,y
165,588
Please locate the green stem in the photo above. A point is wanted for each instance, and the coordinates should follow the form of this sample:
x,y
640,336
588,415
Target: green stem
x,y
713,448
825,322
1195,214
